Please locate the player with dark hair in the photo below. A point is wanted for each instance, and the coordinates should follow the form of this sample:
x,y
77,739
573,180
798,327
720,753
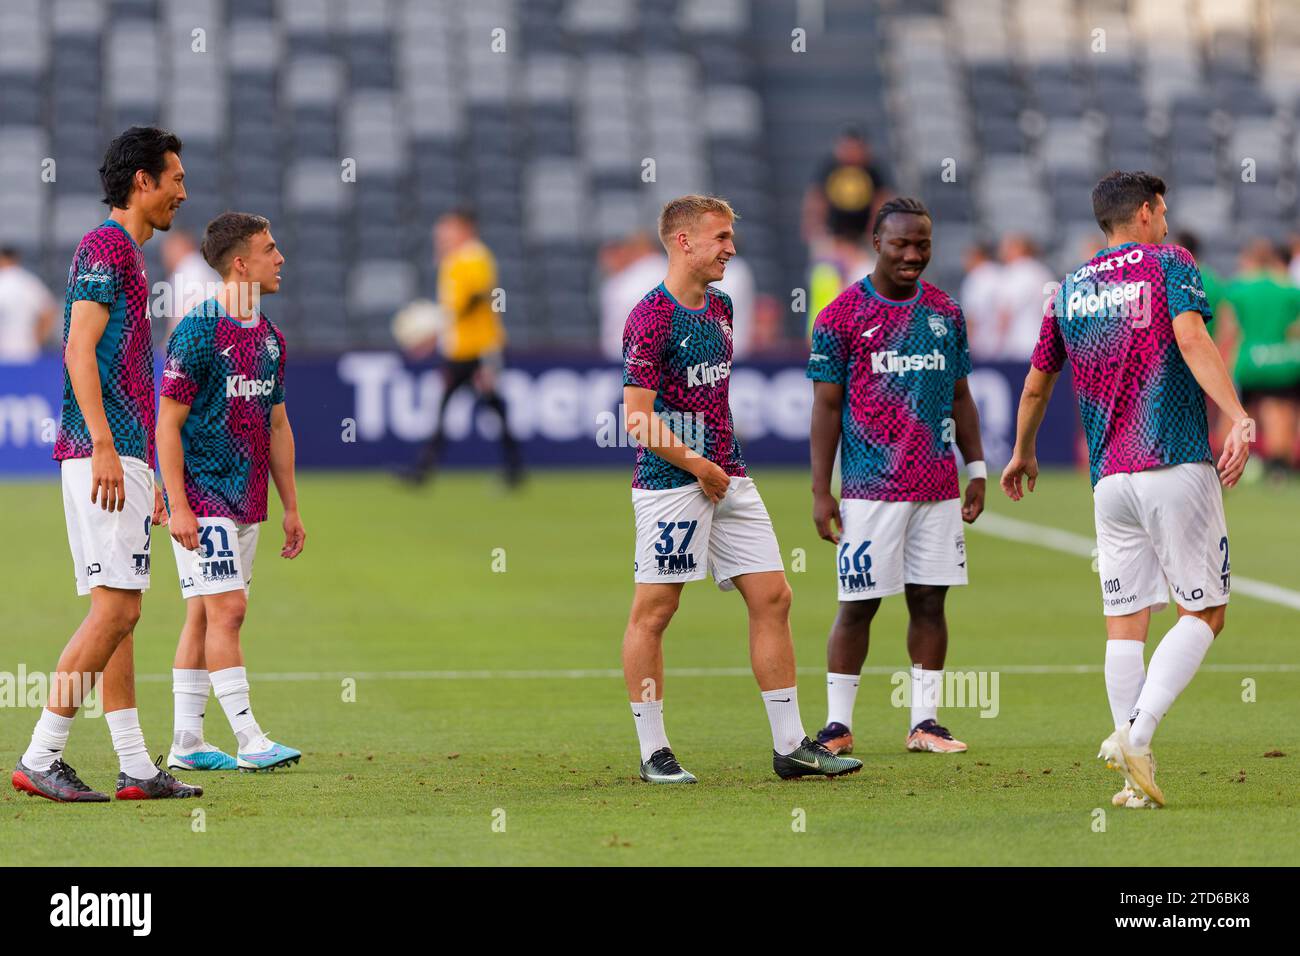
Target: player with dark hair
x,y
1131,322
222,433
473,339
696,510
106,446
889,363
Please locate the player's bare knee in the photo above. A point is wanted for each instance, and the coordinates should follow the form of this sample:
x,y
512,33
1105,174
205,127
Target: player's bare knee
x,y
777,600
925,602
117,614
856,615
226,613
1215,617
195,614
652,616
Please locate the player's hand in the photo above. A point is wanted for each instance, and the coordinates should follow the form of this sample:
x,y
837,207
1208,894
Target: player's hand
x,y
713,480
185,528
973,507
826,516
1236,450
1019,468
107,483
159,507
295,535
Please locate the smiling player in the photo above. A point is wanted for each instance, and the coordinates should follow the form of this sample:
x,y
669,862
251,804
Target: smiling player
x,y
222,430
696,511
889,363
1131,322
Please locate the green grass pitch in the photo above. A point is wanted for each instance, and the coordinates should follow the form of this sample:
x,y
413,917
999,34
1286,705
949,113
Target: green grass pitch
x,y
436,762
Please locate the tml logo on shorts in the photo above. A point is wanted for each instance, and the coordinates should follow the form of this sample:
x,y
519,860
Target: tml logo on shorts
x,y
855,567
237,386
706,374
896,364
222,569
74,909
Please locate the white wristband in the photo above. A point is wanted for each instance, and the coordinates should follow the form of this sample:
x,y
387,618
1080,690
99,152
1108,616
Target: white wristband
x,y
976,469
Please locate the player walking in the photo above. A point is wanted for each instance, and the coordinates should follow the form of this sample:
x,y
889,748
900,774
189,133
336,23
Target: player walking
x,y
695,508
1131,321
105,445
889,363
222,429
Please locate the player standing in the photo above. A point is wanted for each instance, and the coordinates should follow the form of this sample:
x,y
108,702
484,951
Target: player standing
x,y
1131,321
473,341
889,363
222,429
695,508
105,445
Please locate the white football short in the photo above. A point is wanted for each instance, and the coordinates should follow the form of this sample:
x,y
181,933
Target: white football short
x,y
680,534
223,561
887,544
1161,530
109,548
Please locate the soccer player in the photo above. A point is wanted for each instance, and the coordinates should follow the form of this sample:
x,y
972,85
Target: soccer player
x,y
105,445
1131,322
889,363
695,508
474,338
222,430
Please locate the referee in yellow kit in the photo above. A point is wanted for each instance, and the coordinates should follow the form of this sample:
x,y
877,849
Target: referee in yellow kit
x,y
473,340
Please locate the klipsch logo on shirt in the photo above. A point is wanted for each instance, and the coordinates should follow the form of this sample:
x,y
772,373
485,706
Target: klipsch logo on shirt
x,y
238,386
706,374
894,363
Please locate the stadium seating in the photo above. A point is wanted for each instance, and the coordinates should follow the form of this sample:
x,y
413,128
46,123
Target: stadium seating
x,y
551,138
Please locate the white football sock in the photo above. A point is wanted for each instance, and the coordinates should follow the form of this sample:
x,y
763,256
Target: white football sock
x,y
841,693
49,738
1125,672
927,687
231,687
649,717
783,714
128,740
190,691
1173,665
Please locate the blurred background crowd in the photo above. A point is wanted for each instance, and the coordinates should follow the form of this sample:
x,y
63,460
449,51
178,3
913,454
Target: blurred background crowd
x,y
564,124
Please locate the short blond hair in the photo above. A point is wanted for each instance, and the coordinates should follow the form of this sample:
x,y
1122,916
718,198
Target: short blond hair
x,y
686,210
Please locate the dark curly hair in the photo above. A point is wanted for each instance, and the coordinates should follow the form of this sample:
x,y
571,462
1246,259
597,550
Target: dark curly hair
x,y
140,147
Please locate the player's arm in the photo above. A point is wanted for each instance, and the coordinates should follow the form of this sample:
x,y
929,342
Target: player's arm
x,y
89,320
286,484
650,430
1203,358
1033,406
827,415
966,419
171,462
